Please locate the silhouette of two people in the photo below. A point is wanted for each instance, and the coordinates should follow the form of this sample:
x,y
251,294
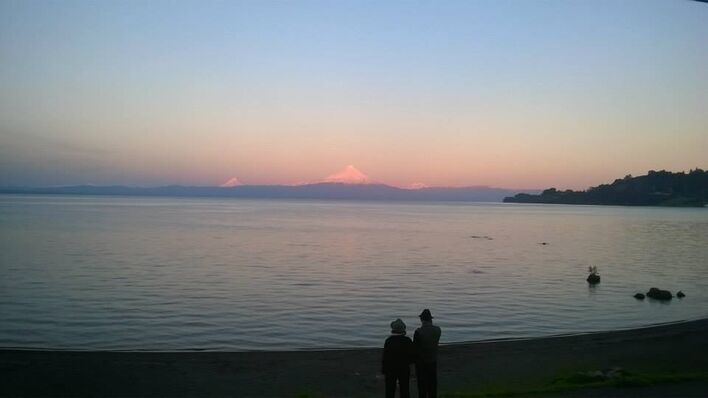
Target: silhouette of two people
x,y
399,352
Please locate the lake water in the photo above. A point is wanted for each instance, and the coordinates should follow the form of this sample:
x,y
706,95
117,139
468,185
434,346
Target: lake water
x,y
128,273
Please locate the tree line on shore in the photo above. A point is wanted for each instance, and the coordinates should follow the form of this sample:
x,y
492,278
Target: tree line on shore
x,y
656,188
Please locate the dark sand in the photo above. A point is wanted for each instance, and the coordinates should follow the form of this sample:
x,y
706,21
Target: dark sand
x,y
473,367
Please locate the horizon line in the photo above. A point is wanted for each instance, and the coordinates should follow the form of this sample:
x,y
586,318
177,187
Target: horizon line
x,y
406,188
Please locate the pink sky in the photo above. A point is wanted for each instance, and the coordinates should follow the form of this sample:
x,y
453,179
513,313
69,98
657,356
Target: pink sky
x,y
506,94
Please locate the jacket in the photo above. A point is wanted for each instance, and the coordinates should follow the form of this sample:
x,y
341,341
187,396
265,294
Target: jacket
x,y
398,353
426,339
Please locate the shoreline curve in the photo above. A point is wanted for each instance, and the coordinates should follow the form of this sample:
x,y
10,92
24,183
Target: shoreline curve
x,y
674,348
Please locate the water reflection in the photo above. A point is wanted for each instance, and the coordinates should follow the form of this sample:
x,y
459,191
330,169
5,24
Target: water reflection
x,y
155,273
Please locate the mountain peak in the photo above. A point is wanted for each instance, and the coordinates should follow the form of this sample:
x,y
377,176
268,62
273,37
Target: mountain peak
x,y
231,182
348,175
417,185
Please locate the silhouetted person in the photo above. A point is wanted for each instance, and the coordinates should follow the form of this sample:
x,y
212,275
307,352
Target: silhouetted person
x,y
398,354
426,340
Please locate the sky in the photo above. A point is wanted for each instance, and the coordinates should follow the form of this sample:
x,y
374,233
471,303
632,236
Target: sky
x,y
515,94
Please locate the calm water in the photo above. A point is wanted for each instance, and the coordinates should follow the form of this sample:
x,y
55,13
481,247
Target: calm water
x,y
213,274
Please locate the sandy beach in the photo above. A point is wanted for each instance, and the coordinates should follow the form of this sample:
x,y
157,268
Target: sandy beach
x,y
666,360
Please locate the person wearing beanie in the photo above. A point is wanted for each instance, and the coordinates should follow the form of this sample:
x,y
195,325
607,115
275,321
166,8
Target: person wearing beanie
x,y
398,354
425,340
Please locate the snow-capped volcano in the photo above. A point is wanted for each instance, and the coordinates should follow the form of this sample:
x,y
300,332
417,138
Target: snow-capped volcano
x,y
417,185
231,182
348,175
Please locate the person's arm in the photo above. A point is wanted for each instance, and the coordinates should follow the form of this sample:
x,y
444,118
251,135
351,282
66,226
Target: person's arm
x,y
416,347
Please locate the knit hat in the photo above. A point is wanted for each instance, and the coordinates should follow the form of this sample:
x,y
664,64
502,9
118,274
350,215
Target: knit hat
x,y
398,327
426,315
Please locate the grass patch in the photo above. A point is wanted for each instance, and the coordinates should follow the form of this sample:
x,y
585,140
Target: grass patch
x,y
309,394
582,380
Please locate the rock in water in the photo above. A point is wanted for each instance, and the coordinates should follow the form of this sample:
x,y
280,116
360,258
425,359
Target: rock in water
x,y
658,294
593,279
639,296
680,294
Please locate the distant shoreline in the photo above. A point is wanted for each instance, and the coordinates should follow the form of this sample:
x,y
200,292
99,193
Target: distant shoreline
x,y
540,200
324,191
339,200
671,351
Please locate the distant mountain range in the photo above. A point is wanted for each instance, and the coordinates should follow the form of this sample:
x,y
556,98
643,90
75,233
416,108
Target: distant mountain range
x,y
326,190
656,188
